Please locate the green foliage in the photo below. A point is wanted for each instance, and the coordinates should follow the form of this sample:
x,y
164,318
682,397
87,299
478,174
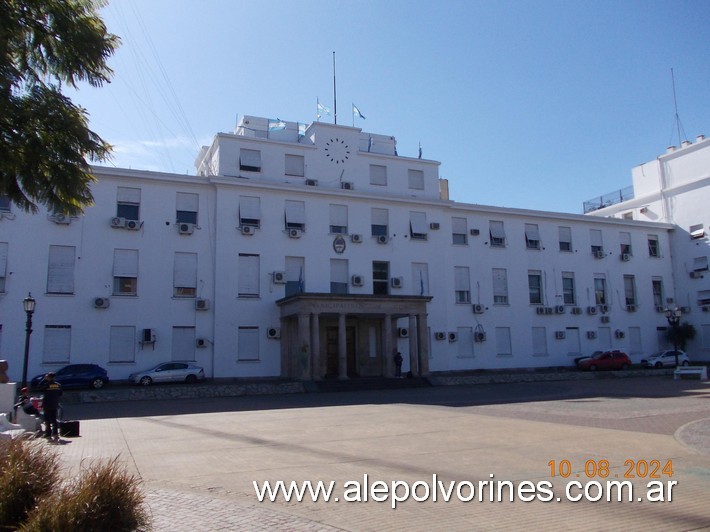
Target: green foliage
x,y
681,334
28,472
45,140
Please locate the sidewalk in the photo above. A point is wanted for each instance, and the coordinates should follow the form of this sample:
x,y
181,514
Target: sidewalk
x,y
198,457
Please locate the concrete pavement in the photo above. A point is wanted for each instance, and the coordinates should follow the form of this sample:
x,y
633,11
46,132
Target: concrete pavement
x,y
198,458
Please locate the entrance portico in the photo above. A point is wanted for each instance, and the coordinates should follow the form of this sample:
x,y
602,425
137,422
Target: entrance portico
x,y
342,336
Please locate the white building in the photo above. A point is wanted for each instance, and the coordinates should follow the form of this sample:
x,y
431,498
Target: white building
x,y
315,252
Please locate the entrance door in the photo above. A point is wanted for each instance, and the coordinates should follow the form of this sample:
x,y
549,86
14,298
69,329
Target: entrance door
x,y
331,350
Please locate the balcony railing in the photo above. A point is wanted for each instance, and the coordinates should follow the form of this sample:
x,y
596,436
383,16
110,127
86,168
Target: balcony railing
x,y
612,198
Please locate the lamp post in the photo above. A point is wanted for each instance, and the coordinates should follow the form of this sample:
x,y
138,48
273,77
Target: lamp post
x,y
29,305
673,317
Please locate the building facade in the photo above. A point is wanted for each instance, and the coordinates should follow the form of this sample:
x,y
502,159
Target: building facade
x,y
314,252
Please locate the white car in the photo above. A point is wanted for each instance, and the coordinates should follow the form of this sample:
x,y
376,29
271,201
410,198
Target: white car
x,y
169,372
666,359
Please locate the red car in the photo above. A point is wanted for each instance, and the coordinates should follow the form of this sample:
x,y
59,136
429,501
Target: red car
x,y
605,360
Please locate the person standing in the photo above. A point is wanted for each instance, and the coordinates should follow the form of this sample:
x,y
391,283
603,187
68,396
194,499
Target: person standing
x,y
398,364
50,402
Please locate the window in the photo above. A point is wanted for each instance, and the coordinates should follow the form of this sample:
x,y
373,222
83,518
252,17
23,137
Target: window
x,y
703,297
247,344
625,242
535,287
600,289
417,226
128,203
185,275
122,344
416,179
249,211
294,165
378,175
5,203
539,341
380,278
464,345
57,344
3,266
462,284
295,215
60,273
696,231
497,234
532,236
629,290
339,219
420,278
459,231
183,346
248,275
338,276
295,275
568,292
700,264
565,238
380,222
500,286
249,160
187,208
503,344
657,288
653,247
125,272
595,237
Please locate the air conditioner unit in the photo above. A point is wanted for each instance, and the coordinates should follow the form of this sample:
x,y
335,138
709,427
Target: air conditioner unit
x,y
357,280
382,239
185,228
396,282
439,336
273,333
478,308
61,219
201,343
403,332
133,225
356,239
540,310
346,185
148,336
630,308
625,257
202,304
660,309
453,336
605,319
598,254
549,310
295,233
559,335
101,302
591,335
474,232
118,222
434,226
576,310
312,182
247,229
604,308
618,333
559,309
279,277
592,310
479,336
696,275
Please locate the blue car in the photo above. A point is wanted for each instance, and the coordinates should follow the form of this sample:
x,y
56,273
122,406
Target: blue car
x,y
77,376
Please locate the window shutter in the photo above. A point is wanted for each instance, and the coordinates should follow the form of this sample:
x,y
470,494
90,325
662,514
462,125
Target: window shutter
x,y
378,174
461,278
458,225
417,222
250,159
122,344
339,215
497,230
294,165
700,264
248,343
416,179
57,343
500,282
128,195
60,275
379,217
185,270
248,275
595,235
565,234
532,232
187,202
183,343
125,263
295,212
338,271
625,239
250,207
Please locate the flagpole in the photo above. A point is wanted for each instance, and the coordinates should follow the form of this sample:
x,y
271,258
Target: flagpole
x,y
335,101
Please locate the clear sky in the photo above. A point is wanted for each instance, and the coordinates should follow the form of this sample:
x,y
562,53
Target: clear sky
x,y
529,104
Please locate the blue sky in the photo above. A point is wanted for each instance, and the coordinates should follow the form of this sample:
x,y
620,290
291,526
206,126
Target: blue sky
x,y
529,104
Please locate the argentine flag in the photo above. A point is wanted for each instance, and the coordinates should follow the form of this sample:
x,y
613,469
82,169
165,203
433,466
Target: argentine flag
x,y
321,109
277,125
357,112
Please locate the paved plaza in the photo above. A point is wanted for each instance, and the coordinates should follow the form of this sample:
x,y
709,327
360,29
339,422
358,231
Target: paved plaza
x,y
198,458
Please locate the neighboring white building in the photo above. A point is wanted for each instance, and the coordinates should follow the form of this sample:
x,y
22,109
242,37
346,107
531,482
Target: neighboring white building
x,y
313,252
675,189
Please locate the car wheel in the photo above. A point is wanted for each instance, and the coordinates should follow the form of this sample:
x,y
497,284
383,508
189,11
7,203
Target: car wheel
x,y
658,365
97,383
145,381
191,379
684,363
624,367
592,368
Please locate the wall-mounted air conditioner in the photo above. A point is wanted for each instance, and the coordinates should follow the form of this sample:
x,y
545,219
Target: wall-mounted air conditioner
x,y
356,239
403,332
201,343
591,335
357,280
559,335
382,239
346,185
479,336
576,310
185,228
540,310
478,308
598,254
117,221
618,333
273,333
396,282
133,225
605,319
439,336
148,336
559,309
279,277
61,219
295,233
101,302
202,304
625,257
592,310
630,308
453,336
434,226
312,182
247,229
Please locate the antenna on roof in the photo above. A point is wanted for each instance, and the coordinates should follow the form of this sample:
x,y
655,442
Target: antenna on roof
x,y
677,118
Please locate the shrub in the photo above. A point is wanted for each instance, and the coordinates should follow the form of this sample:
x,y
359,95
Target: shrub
x,y
103,497
28,472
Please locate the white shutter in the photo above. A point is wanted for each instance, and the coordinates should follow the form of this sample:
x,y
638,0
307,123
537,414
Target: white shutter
x,y
122,344
187,202
339,215
248,343
595,235
500,282
539,341
532,232
379,217
125,263
250,207
378,174
635,346
572,340
3,259
128,195
462,280
248,275
566,234
625,239
699,264
185,270
60,274
416,179
464,345
496,229
57,343
338,271
503,346
183,343
250,158
459,226
294,268
417,222
295,212
294,165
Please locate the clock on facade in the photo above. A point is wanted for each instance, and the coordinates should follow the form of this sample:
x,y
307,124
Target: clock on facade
x,y
337,151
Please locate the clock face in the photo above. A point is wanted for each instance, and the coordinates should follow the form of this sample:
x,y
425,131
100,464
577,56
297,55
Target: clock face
x,y
336,151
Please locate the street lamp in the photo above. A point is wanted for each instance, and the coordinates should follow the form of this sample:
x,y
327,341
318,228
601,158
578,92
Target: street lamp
x,y
29,305
673,317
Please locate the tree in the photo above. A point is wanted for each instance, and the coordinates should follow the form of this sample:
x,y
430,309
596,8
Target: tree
x,y
680,334
45,140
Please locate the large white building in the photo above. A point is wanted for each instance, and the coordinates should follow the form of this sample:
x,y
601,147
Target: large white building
x,y
316,252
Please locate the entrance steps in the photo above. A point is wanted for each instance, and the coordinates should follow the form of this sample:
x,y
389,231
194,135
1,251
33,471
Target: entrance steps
x,y
366,383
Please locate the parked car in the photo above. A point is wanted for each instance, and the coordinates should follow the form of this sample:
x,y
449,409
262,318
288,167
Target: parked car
x,y
666,359
77,376
168,372
605,360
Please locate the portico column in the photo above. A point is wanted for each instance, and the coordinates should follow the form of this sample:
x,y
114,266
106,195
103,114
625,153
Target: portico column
x,y
388,350
303,352
413,362
316,366
423,337
342,349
